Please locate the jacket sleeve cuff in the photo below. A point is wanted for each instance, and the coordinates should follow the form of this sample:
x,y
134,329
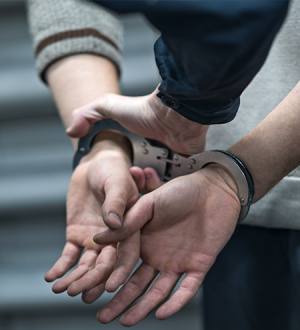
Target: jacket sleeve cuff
x,y
197,110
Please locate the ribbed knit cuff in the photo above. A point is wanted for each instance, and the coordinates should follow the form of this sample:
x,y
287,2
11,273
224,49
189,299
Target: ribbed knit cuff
x,y
61,28
71,46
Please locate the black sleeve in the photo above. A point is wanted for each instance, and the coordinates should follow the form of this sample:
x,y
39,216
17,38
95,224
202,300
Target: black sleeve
x,y
209,51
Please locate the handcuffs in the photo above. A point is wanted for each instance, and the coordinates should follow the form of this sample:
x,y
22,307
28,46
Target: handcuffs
x,y
146,153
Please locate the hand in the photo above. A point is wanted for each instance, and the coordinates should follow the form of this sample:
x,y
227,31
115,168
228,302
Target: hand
x,y
145,116
185,224
101,190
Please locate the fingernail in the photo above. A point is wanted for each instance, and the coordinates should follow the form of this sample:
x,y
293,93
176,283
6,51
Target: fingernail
x,y
113,216
148,176
68,129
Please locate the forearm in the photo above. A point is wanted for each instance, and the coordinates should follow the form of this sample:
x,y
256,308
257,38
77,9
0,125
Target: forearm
x,y
64,35
80,79
271,150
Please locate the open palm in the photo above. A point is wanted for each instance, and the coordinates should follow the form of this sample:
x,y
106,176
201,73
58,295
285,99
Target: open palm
x,y
185,224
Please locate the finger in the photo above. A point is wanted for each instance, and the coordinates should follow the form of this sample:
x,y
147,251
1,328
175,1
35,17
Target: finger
x,y
128,257
97,275
152,179
84,117
82,235
139,178
186,292
68,259
133,289
146,180
80,126
91,295
113,208
87,262
159,292
134,219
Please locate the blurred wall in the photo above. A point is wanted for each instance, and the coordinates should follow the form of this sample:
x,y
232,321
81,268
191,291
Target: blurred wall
x,y
35,168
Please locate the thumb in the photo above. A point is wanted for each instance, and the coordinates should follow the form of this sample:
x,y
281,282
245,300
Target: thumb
x,y
120,194
85,116
80,126
134,219
114,207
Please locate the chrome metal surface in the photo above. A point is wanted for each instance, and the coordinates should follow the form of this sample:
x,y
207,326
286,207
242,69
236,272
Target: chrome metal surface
x,y
204,158
141,157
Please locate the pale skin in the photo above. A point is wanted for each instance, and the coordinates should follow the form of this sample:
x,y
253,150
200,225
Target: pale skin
x,y
145,116
270,151
101,187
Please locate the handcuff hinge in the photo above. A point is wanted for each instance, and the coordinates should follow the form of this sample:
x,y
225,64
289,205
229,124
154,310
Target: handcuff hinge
x,y
167,160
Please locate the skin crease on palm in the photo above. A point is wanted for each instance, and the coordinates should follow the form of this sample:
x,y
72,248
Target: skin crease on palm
x,y
174,240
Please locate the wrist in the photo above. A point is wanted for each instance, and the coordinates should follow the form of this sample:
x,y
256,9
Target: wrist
x,y
110,144
222,176
179,133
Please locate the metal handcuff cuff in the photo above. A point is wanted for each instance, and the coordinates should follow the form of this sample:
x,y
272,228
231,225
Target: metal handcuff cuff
x,y
147,153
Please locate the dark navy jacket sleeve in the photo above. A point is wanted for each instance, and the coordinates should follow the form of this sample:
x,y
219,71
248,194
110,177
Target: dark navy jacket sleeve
x,y
209,51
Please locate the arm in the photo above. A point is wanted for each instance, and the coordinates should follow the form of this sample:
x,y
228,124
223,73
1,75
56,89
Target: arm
x,y
146,116
78,51
80,79
60,36
209,59
271,150
205,91
74,79
93,199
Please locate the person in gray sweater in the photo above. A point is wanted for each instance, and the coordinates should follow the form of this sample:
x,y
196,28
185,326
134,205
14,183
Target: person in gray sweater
x,y
254,281
79,56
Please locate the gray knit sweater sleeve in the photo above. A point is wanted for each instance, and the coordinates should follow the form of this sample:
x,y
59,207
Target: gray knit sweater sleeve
x,y
60,28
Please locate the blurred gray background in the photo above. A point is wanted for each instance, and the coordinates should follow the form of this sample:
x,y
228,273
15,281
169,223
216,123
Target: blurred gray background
x,y
35,168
